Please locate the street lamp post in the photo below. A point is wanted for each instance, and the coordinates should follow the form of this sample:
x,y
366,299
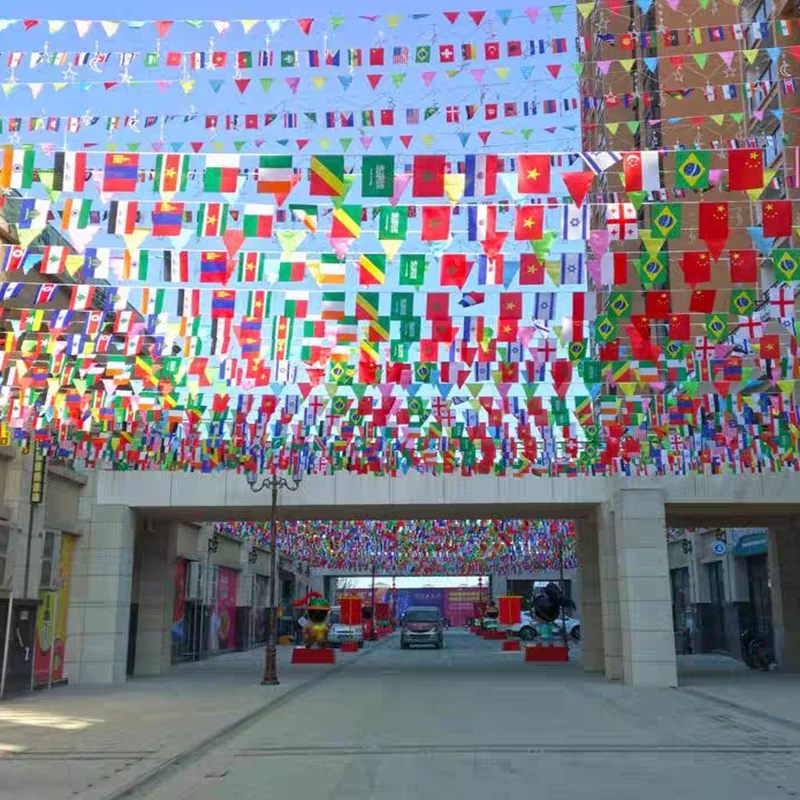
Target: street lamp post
x,y
275,482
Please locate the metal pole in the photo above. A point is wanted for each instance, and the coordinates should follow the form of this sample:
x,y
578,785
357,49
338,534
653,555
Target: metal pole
x,y
561,578
271,653
6,646
53,629
373,635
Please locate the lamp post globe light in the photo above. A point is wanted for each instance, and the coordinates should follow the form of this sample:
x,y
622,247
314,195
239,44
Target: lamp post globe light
x,y
275,482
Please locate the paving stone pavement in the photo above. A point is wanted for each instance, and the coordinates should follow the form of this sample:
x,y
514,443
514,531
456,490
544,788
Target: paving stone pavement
x,y
465,722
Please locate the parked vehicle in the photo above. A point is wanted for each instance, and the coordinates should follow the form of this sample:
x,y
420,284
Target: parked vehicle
x,y
422,625
338,632
528,628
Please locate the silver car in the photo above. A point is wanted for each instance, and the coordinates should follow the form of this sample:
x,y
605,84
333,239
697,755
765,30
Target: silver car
x,y
338,632
422,625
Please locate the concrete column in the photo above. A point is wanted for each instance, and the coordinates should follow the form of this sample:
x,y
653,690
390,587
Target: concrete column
x,y
784,576
590,610
100,596
500,585
648,637
156,552
609,593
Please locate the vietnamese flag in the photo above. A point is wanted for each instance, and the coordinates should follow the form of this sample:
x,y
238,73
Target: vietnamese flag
x,y
679,327
428,176
769,347
435,223
776,218
533,174
744,268
529,222
696,267
454,270
702,301
507,329
714,229
510,305
745,169
531,270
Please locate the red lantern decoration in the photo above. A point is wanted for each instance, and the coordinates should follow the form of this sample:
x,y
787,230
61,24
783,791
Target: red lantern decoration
x,y
350,610
510,609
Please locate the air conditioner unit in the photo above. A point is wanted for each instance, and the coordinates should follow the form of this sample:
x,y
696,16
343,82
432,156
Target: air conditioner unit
x,y
8,534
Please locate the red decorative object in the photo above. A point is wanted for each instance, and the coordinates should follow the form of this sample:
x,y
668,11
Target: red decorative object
x,y
537,653
510,609
512,645
494,635
350,610
313,655
349,647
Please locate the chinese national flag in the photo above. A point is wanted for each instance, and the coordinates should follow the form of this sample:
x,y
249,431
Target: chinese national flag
x,y
745,169
769,347
531,270
529,222
714,226
702,301
510,305
744,268
454,270
657,305
679,327
435,223
696,267
776,218
429,176
533,174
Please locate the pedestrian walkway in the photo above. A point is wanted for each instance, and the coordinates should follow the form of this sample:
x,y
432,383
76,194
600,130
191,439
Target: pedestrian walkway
x,y
92,742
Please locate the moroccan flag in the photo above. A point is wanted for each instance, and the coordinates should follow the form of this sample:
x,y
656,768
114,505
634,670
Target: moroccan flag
x,y
327,176
776,217
531,270
172,173
438,306
428,176
454,270
346,222
696,267
372,269
213,267
212,219
377,176
641,171
221,173
121,172
744,268
679,327
435,223
702,301
745,169
665,222
692,169
167,219
257,220
529,222
274,175
713,219
393,223
533,174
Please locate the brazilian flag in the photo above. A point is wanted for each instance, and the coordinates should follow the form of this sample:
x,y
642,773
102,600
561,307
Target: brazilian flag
x,y
342,374
338,406
619,304
422,373
665,222
653,269
675,351
577,350
743,302
716,327
692,169
605,328
416,406
787,264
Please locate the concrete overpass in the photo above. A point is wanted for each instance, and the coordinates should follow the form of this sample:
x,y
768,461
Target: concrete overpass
x,y
626,600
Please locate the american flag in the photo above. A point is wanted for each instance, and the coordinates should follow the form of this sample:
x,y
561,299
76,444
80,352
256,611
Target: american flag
x,y
400,55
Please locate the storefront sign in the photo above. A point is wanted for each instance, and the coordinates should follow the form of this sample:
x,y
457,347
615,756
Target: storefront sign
x,y
751,544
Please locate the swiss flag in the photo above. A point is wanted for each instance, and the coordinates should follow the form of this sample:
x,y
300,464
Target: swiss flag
x,y
428,176
529,222
435,223
745,169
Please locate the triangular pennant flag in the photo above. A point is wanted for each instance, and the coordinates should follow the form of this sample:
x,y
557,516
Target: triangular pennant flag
x,y
556,12
305,24
374,79
577,184
292,83
391,247
345,80
554,69
652,244
233,239
341,245
637,198
454,186
502,72
242,84
290,240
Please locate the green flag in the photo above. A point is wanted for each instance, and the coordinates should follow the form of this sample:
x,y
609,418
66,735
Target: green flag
x,y
692,169
393,222
665,222
377,176
412,269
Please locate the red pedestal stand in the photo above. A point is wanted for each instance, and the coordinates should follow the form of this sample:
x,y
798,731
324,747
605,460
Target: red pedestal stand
x,y
349,647
540,654
512,645
313,655
494,636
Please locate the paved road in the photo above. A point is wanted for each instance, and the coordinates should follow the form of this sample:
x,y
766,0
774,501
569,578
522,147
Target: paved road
x,y
471,722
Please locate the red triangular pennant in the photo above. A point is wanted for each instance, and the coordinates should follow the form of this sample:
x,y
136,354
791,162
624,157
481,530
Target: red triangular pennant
x,y
301,143
242,84
578,184
452,16
163,26
476,16
406,140
715,246
484,136
197,146
554,69
374,80
305,24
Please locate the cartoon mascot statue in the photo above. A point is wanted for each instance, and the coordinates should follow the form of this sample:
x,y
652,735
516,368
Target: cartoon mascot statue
x,y
315,632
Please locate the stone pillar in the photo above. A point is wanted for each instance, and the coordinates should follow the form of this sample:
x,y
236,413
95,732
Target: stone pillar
x,y
590,610
156,552
784,576
100,594
645,608
499,585
609,593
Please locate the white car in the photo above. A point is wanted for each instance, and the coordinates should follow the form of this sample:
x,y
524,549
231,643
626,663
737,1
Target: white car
x,y
338,632
529,628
